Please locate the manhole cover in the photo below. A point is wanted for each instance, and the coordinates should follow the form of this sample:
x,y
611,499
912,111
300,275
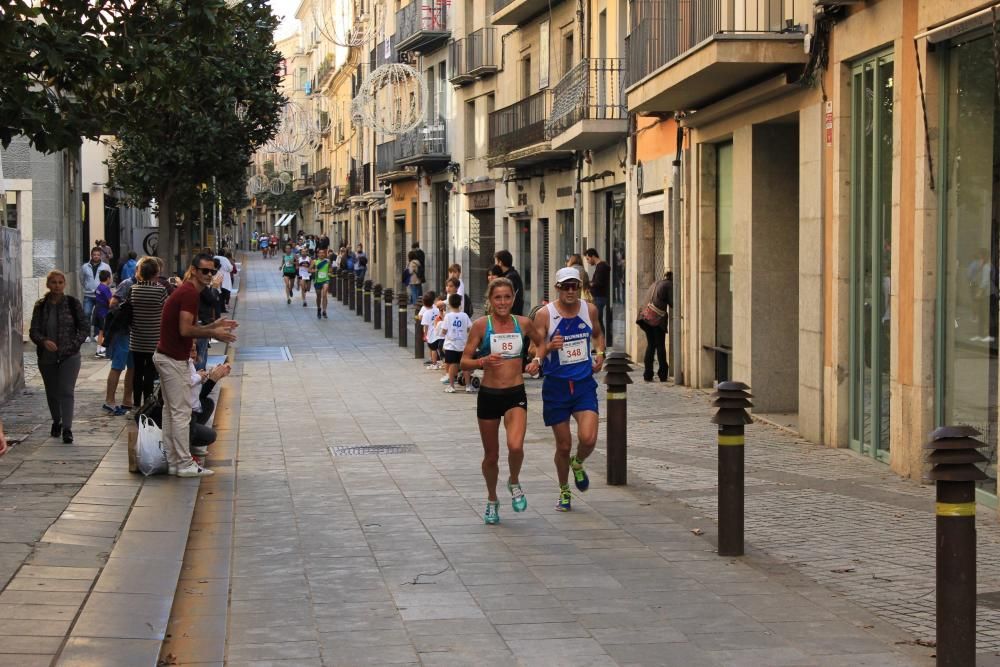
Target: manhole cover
x,y
991,600
263,354
372,450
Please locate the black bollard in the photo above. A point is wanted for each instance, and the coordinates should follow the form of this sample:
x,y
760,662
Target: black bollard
x,y
333,283
389,305
403,323
368,300
351,292
617,367
359,297
342,285
954,457
418,339
732,399
377,307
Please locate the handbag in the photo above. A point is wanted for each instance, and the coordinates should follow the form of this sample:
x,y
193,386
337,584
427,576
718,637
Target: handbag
x,y
652,315
152,459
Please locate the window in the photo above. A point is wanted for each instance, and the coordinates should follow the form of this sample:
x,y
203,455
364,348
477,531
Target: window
x,y
443,90
471,150
567,54
525,76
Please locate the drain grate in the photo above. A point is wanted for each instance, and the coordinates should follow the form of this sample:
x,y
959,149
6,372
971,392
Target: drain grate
x,y
263,354
372,450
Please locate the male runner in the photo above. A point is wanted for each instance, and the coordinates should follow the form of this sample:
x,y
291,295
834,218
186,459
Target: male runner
x,y
321,281
570,326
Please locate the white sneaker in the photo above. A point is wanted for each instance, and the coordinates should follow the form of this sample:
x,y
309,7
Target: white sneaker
x,y
449,390
445,379
470,390
199,451
171,469
194,470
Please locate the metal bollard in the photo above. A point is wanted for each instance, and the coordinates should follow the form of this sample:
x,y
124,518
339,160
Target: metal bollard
x,y
418,339
389,305
954,457
403,323
333,283
352,294
732,399
368,301
617,367
377,307
342,285
359,297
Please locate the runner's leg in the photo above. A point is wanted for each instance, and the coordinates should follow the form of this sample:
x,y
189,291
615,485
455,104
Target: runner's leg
x,y
586,433
564,445
489,431
515,422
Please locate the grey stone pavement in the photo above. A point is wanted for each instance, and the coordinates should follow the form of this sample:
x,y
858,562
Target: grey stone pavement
x,y
314,553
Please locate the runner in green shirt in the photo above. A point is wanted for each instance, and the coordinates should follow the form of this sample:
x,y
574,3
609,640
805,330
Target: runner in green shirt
x,y
321,280
288,271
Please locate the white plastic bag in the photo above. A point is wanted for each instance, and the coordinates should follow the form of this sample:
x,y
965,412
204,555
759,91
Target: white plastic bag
x,y
152,458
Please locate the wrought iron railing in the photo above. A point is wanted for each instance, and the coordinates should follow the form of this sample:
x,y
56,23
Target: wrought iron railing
x,y
355,178
662,30
421,16
321,178
427,139
385,157
592,90
474,54
519,125
378,56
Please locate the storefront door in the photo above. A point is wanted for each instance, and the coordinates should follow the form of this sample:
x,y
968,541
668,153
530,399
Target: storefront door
x,y
871,254
968,294
615,255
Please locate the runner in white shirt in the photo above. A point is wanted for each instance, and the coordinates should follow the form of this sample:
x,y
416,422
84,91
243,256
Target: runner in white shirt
x,y
305,272
429,315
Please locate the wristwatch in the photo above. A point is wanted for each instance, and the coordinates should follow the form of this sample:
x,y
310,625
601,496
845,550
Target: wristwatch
x,y
600,353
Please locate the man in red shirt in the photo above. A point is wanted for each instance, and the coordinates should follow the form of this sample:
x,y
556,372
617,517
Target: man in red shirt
x,y
177,328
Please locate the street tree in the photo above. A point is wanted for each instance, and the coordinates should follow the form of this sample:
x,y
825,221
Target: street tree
x,y
196,109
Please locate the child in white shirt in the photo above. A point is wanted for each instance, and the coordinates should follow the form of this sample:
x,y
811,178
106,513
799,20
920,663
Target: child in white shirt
x,y
429,316
456,333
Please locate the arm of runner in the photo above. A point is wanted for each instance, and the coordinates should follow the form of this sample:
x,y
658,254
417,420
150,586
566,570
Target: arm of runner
x,y
597,338
536,333
476,332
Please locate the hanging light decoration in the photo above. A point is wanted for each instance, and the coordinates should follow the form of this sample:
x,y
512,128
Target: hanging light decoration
x,y
392,99
345,24
295,129
257,184
276,187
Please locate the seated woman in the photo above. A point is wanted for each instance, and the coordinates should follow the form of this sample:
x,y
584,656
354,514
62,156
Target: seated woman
x,y
202,405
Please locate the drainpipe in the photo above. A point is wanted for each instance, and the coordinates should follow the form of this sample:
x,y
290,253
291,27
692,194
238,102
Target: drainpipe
x,y
675,252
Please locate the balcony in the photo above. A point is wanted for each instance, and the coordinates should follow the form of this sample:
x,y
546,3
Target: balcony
x,y
425,146
303,184
385,52
517,133
518,12
472,57
588,106
686,54
387,167
321,179
422,25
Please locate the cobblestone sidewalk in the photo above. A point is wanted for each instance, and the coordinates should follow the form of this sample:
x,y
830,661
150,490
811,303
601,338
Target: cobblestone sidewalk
x,y
843,520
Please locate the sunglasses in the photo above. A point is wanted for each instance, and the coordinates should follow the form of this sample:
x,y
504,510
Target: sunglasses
x,y
208,272
570,287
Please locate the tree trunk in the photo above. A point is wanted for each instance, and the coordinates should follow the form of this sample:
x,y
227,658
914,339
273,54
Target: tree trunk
x,y
167,247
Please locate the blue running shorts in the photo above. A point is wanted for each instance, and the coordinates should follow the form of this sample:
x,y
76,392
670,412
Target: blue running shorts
x,y
561,398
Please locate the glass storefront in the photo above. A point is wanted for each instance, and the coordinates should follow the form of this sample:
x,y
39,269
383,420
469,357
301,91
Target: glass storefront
x,y
970,246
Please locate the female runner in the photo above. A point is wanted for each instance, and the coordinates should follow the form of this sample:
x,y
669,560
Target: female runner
x,y
305,272
288,271
497,340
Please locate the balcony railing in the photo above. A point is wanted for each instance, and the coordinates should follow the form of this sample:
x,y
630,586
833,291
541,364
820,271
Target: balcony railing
x,y
519,125
427,142
421,24
473,56
593,90
662,30
354,180
321,179
378,55
385,157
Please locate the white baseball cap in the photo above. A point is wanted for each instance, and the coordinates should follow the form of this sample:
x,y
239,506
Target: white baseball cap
x,y
567,273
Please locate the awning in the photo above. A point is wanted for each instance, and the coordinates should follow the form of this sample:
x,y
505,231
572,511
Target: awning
x,y
959,25
288,219
281,220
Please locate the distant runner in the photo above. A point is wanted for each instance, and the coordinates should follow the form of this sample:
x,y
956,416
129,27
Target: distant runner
x,y
570,326
321,281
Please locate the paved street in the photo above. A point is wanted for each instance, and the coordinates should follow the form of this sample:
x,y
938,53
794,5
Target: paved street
x,y
341,557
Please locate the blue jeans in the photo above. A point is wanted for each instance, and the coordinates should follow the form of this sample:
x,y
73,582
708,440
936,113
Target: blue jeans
x,y
89,303
416,292
201,346
602,309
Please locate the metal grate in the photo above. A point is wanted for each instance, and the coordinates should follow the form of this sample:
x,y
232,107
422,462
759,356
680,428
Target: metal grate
x,y
372,450
263,354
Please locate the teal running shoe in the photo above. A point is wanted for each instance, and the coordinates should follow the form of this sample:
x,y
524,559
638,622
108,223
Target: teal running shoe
x,y
579,474
565,497
492,515
517,498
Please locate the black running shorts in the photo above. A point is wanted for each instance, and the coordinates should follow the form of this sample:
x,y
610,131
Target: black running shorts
x,y
494,403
